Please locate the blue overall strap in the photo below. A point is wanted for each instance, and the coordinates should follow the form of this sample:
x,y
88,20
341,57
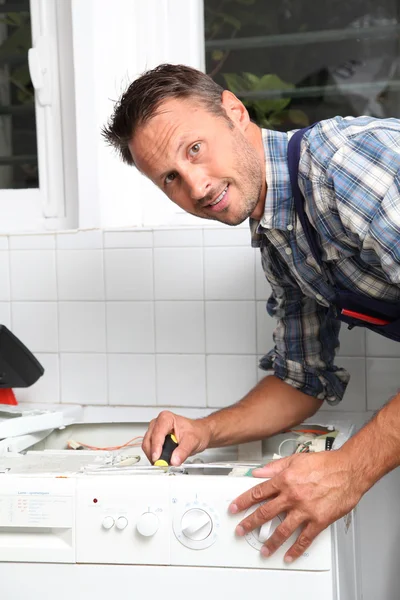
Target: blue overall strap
x,y
293,154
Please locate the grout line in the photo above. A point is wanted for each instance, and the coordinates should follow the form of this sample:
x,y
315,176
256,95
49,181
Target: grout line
x,y
204,320
154,320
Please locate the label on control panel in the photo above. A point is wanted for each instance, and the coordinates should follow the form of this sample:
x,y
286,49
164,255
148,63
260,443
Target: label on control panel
x,y
36,509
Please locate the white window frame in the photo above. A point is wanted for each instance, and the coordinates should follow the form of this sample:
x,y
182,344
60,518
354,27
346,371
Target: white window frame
x,y
114,44
44,208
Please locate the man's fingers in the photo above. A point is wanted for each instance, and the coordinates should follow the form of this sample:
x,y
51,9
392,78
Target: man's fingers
x,y
254,495
185,449
264,513
162,427
146,443
282,533
273,468
305,539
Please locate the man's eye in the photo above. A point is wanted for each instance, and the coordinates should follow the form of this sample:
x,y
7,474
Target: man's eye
x,y
194,149
170,177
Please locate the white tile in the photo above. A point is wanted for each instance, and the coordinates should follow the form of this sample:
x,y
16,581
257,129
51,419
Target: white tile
x,y
230,327
178,273
354,399
33,242
83,378
33,275
132,379
181,380
80,240
47,387
352,342
263,288
377,345
383,381
4,276
229,273
5,314
227,236
180,327
129,274
130,327
80,275
174,238
36,325
4,244
229,378
128,239
82,327
265,329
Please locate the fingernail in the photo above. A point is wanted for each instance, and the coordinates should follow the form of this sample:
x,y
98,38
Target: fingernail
x,y
154,456
233,508
288,559
239,530
265,552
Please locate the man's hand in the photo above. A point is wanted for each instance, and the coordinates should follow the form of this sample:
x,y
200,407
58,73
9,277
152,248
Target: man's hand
x,y
314,490
193,436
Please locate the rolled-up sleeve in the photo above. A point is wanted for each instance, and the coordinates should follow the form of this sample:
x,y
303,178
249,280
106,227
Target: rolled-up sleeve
x,y
305,338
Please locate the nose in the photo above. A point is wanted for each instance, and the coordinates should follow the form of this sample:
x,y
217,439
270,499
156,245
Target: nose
x,y
198,182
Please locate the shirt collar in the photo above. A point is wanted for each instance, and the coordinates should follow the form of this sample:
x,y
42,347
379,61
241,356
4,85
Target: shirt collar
x,y
279,205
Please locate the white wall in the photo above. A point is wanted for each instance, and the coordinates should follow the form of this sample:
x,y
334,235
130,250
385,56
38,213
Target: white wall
x,y
128,322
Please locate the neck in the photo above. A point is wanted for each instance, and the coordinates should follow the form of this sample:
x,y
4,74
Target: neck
x,y
256,140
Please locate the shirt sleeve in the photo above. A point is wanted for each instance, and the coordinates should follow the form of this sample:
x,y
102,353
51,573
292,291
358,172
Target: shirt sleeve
x,y
305,337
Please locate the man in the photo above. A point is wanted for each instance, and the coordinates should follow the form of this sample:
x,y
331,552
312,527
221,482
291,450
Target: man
x,y
196,142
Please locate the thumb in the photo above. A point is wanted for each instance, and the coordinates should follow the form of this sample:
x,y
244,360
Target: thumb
x,y
184,449
273,468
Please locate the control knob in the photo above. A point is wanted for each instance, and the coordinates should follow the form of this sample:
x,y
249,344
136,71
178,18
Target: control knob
x,y
148,524
108,522
121,523
196,524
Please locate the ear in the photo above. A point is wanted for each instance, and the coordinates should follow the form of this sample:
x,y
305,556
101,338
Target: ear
x,y
235,110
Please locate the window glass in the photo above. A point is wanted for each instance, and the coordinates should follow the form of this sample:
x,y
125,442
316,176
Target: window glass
x,y
294,62
18,149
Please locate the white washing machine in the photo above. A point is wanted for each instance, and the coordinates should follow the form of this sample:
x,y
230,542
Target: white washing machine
x,y
149,534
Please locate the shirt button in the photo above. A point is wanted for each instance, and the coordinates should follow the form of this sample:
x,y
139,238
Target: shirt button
x,y
288,250
319,297
289,227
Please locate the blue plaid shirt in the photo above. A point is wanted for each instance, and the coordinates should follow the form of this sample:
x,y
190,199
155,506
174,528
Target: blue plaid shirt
x,y
349,176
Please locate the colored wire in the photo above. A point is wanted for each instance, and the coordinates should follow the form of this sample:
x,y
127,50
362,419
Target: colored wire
x,y
133,443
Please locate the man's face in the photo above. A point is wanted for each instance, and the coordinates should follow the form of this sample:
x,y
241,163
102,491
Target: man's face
x,y
203,163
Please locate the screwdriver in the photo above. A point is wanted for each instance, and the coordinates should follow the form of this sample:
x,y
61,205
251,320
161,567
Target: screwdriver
x,y
170,443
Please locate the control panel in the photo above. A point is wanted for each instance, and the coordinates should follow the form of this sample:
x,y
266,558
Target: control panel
x,y
177,520
138,519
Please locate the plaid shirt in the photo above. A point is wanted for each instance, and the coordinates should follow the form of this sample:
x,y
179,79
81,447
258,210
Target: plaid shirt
x,y
349,176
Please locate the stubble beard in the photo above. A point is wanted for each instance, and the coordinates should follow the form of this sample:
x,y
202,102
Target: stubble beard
x,y
249,172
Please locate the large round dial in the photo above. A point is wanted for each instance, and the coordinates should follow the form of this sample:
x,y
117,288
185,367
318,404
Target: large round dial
x,y
196,524
259,536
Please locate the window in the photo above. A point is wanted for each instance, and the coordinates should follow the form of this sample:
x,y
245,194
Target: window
x,y
294,62
32,190
18,146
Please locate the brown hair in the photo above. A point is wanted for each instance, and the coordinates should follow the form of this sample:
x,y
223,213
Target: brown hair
x,y
139,103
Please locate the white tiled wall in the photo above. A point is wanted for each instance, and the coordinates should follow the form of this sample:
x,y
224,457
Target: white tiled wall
x,y
157,318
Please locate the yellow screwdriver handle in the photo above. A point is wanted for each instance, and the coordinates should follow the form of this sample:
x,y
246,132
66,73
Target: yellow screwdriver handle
x,y
170,443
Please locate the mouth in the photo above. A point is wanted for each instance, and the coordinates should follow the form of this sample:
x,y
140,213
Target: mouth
x,y
220,201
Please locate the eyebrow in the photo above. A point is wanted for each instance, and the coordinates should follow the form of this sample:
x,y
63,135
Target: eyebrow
x,y
163,175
